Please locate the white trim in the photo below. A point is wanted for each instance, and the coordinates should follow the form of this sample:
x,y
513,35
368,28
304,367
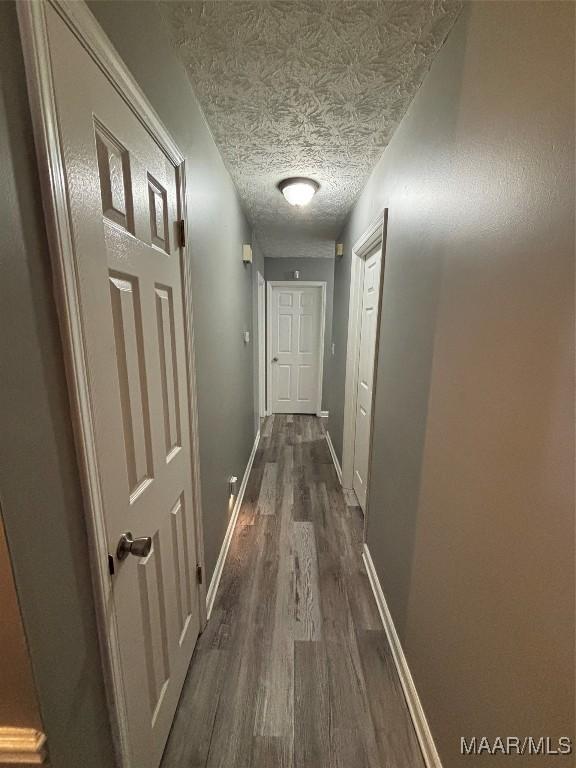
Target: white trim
x,y
216,576
322,414
261,313
370,240
186,264
22,746
271,284
425,739
41,90
334,457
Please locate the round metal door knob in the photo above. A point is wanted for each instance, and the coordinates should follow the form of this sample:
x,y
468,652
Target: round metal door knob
x,y
274,359
128,545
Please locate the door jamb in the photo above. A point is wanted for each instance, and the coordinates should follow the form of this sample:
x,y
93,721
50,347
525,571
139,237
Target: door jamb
x,y
271,284
40,80
261,304
372,238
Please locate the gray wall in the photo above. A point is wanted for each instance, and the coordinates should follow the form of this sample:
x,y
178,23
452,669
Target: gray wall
x,y
39,489
471,512
310,269
221,283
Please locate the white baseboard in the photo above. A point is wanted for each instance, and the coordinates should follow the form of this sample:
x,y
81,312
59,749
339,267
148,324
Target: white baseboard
x,y
22,746
429,751
337,466
322,414
215,581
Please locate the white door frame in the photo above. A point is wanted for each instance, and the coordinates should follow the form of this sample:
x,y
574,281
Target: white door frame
x,y
40,79
293,284
373,237
261,299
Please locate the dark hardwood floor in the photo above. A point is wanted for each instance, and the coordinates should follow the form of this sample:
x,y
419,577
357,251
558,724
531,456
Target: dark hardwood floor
x,y
294,668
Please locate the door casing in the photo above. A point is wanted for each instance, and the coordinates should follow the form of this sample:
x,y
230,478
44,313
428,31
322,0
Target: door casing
x,y
261,287
39,75
372,238
291,284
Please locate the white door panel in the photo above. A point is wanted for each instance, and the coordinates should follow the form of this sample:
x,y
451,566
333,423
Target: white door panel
x,y
295,348
124,200
367,348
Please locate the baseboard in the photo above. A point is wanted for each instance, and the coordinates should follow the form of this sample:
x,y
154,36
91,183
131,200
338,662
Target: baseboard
x,y
337,466
322,414
215,581
22,746
429,751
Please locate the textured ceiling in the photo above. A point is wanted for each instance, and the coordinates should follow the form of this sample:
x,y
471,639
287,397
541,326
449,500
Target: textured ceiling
x,y
305,88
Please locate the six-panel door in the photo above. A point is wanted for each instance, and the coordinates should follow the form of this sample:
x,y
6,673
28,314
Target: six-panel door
x,y
365,380
124,201
295,348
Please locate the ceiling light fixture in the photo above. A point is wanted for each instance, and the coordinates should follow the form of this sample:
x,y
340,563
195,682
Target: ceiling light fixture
x,y
298,190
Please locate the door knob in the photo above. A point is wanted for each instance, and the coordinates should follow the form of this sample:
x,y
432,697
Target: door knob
x,y
130,546
274,359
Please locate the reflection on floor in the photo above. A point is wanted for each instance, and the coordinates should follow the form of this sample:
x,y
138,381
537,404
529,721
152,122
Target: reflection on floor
x,y
294,668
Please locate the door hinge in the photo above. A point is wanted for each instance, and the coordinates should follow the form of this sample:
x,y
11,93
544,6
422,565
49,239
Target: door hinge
x,y
181,233
111,565
199,574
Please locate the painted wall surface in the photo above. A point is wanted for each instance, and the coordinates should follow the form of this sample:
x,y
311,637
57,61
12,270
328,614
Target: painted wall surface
x,y
310,269
471,512
39,488
221,283
18,703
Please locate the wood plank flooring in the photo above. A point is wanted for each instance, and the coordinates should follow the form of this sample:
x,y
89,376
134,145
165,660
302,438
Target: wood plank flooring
x,y
294,668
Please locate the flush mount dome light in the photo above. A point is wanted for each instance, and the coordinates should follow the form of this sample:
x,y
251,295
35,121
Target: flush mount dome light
x,y
298,190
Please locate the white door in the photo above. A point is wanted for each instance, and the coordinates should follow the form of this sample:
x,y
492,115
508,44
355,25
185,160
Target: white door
x,y
365,379
296,319
124,203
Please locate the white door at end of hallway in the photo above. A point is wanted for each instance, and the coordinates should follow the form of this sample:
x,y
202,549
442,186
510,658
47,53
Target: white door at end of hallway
x,y
124,199
365,378
295,348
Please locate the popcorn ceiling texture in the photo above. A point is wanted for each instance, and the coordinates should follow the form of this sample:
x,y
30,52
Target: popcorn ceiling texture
x,y
305,88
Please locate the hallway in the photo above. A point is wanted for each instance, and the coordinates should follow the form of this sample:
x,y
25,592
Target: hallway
x,y
287,374
294,667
